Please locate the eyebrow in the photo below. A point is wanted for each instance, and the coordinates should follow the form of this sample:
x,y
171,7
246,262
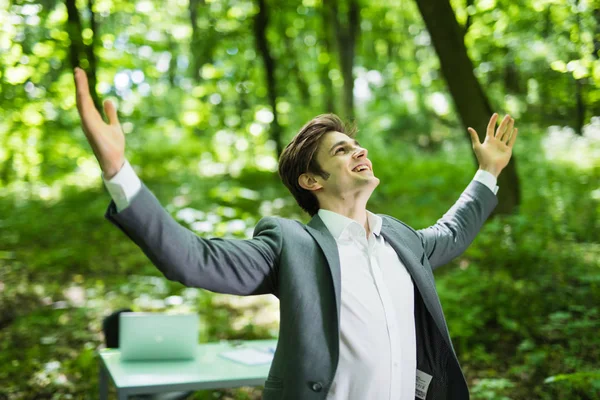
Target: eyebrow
x,y
342,142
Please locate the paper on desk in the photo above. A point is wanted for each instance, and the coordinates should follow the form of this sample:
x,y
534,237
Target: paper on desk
x,y
249,356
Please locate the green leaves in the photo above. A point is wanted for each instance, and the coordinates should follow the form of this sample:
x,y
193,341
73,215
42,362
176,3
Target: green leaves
x,y
521,302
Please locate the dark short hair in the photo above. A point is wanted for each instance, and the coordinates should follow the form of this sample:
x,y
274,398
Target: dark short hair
x,y
298,157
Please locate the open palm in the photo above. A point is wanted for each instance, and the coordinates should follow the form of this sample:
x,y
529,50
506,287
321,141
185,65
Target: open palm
x,y
495,151
107,140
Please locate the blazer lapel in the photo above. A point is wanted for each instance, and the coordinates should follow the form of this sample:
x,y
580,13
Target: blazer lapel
x,y
425,285
321,234
417,271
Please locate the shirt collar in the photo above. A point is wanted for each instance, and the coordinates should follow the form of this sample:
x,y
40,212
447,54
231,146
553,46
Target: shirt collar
x,y
337,223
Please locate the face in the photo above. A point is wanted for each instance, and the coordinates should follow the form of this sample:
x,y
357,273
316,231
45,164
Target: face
x,y
350,171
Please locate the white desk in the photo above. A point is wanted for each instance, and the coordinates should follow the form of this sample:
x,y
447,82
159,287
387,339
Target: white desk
x,y
208,371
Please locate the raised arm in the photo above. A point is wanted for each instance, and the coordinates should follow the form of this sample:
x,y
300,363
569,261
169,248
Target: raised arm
x,y
242,267
453,233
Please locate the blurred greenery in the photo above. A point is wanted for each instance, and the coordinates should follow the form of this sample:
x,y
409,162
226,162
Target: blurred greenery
x,y
522,304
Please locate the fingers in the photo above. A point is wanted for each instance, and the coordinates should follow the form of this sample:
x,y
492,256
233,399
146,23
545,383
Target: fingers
x,y
492,125
509,130
85,105
502,128
111,112
512,139
80,80
505,131
474,137
81,86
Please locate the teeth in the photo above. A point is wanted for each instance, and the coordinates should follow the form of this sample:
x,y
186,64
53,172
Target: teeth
x,y
361,168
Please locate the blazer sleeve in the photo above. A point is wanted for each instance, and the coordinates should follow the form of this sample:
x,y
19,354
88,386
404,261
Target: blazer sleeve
x,y
242,267
453,233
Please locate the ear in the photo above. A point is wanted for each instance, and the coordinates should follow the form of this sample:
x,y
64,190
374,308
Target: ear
x,y
309,182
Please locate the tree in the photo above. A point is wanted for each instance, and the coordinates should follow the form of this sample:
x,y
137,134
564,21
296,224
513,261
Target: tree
x,y
579,84
203,41
261,21
79,48
346,35
325,67
468,96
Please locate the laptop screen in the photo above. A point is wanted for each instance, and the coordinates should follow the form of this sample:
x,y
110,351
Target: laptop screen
x,y
158,336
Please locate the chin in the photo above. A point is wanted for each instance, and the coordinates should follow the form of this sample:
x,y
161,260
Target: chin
x,y
374,179
371,183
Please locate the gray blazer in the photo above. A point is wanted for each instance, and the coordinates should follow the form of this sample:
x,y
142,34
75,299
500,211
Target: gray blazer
x,y
300,265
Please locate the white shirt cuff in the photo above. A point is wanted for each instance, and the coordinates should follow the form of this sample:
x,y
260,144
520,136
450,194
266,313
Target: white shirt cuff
x,y
488,179
123,186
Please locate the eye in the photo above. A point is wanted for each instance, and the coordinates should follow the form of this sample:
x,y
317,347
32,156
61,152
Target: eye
x,y
338,150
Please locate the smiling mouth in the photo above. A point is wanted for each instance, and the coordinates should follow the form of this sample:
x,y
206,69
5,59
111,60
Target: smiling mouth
x,y
361,168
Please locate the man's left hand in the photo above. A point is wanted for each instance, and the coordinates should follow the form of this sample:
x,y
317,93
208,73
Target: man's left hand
x,y
495,152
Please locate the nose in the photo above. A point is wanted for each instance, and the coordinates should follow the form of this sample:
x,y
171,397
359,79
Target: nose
x,y
360,152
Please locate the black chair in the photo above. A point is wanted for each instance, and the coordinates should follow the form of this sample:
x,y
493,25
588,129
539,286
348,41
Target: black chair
x,y
110,328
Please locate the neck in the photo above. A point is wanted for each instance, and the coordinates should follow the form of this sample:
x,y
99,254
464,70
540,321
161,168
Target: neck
x,y
355,212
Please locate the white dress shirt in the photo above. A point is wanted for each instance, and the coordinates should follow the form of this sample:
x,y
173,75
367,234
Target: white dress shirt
x,y
377,327
378,355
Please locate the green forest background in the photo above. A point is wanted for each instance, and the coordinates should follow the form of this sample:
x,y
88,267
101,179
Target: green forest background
x,y
208,92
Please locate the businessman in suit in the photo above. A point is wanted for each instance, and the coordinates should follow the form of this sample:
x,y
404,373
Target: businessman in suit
x,y
360,317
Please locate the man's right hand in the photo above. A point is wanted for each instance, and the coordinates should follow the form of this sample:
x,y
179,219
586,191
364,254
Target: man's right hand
x,y
107,140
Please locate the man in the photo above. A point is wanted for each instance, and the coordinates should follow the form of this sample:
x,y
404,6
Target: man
x,y
360,315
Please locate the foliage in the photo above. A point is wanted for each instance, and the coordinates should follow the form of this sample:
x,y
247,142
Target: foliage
x,y
521,303
145,57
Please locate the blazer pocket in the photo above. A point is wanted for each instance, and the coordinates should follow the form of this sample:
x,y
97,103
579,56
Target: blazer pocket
x,y
274,382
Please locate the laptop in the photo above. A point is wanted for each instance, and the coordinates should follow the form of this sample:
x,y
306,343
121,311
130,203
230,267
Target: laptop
x,y
157,336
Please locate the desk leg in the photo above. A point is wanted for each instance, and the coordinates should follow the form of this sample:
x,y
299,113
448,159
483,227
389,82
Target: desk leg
x,y
103,382
122,395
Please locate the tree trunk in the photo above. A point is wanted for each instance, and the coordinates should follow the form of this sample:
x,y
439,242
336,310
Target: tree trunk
x,y
544,91
90,52
346,37
202,45
261,21
291,64
294,68
325,68
580,107
470,100
596,39
512,83
579,83
195,42
595,109
78,48
172,71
